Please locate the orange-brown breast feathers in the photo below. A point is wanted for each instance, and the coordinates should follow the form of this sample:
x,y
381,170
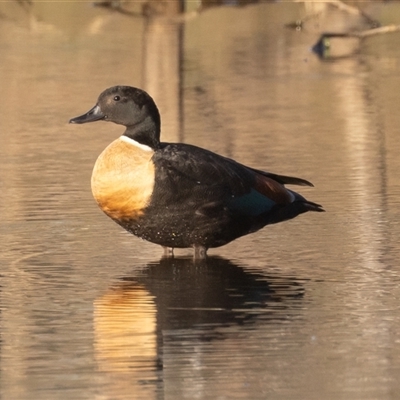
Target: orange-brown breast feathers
x,y
123,179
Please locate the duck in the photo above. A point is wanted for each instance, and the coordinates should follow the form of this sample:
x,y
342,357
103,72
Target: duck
x,y
178,195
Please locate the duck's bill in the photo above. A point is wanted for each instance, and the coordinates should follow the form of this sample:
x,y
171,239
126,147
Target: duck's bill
x,y
92,115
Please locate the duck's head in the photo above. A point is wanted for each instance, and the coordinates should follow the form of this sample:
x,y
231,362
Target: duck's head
x,y
128,106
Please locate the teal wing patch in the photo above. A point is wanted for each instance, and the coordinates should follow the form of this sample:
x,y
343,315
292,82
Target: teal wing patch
x,y
251,204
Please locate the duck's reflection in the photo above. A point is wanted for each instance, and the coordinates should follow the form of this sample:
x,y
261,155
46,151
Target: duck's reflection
x,y
125,327
137,321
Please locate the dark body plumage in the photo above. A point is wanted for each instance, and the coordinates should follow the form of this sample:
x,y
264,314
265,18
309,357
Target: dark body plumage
x,y
179,195
205,199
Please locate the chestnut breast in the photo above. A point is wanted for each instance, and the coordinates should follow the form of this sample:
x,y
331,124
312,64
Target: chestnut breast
x,y
123,179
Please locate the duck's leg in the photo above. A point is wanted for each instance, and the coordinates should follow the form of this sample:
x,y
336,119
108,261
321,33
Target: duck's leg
x,y
200,252
168,252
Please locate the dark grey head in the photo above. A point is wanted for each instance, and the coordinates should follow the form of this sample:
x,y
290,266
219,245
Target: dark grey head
x,y
128,106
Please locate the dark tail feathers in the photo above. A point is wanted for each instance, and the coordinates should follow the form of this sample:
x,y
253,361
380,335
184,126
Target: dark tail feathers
x,y
310,206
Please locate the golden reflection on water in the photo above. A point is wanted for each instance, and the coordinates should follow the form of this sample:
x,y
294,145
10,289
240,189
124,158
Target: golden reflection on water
x,y
125,329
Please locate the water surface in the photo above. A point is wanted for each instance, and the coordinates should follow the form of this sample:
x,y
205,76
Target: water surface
x,y
304,309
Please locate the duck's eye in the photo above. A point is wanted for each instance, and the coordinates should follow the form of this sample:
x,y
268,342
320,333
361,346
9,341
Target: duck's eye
x,y
117,98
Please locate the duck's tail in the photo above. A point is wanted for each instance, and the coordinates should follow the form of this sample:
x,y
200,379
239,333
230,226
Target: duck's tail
x,y
311,206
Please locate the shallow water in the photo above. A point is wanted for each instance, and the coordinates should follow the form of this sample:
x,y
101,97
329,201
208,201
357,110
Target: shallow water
x,y
304,309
